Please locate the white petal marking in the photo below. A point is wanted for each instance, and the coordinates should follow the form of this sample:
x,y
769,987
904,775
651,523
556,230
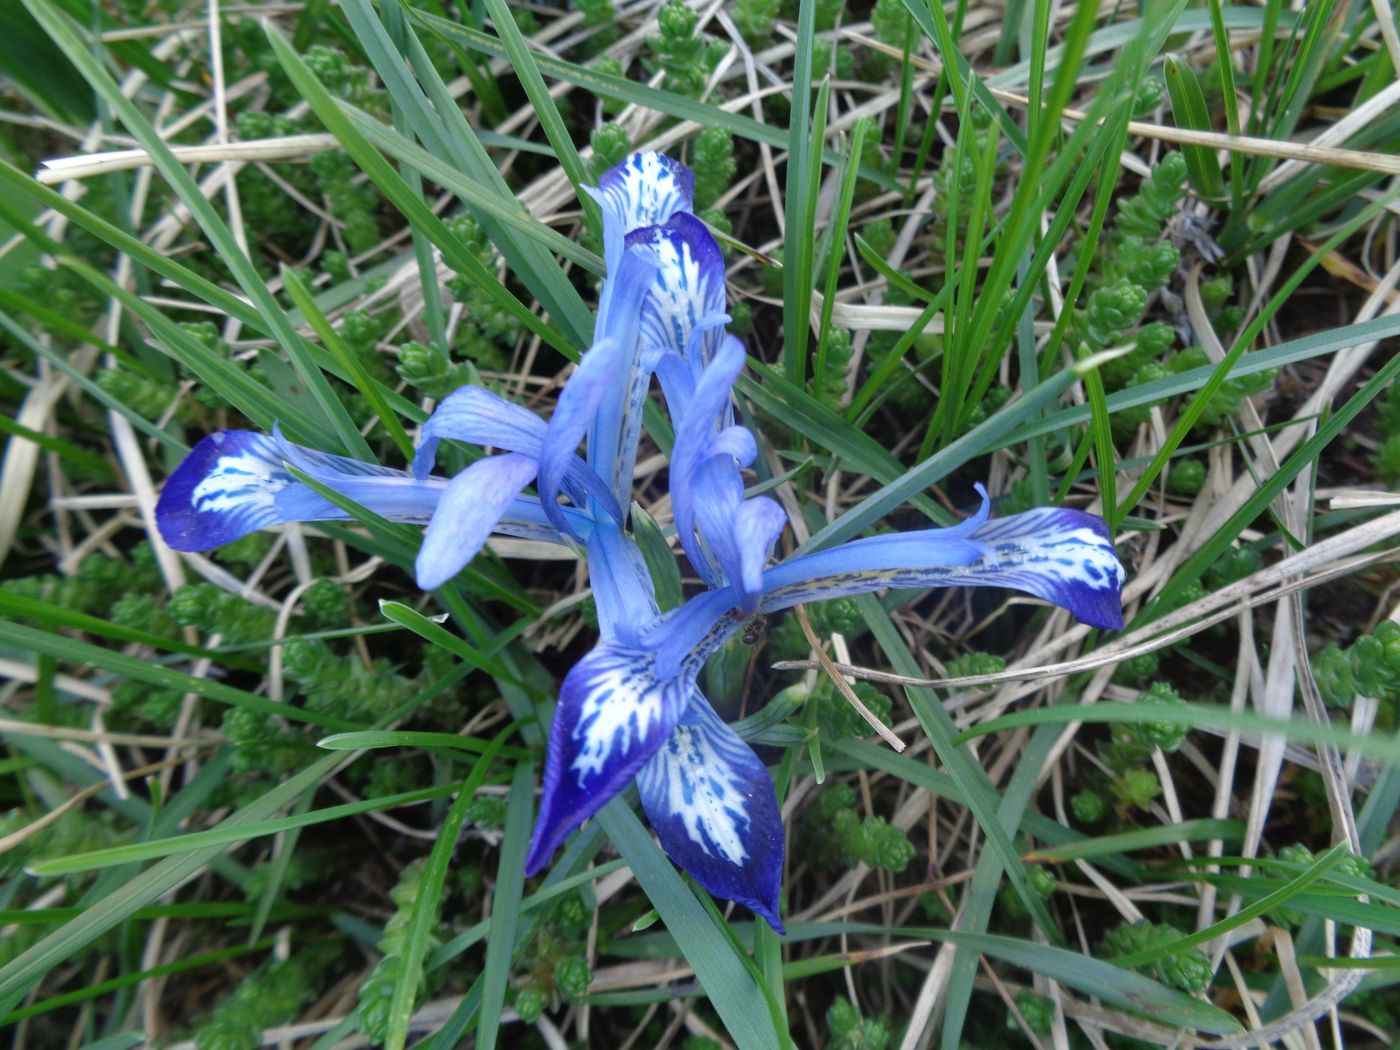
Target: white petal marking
x,y
624,702
699,788
647,189
241,482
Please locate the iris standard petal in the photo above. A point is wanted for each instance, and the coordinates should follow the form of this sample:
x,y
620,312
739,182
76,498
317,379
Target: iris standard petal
x,y
576,411
739,533
647,188
695,433
616,424
714,809
614,712
235,482
479,417
473,504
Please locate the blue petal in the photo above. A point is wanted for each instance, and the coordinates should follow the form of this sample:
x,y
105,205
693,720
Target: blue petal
x,y
615,421
739,533
714,809
226,488
614,713
576,411
622,587
686,301
235,482
695,434
647,189
1063,556
473,504
526,519
479,417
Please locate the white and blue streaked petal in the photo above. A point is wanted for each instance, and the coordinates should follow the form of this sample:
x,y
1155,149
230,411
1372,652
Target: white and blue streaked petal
x,y
225,488
479,417
475,501
647,189
236,481
685,306
1063,556
712,804
614,713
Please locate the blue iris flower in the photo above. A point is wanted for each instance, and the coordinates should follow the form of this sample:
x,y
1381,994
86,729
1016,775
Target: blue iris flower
x,y
631,711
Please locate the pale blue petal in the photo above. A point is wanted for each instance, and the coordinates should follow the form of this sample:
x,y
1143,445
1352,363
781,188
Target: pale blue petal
x,y
695,432
614,713
573,415
479,417
714,809
235,482
647,188
470,510
615,426
739,534
527,520
622,587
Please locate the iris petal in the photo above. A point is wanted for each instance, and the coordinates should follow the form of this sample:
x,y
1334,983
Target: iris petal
x,y
687,291
614,712
712,804
473,504
235,482
739,533
648,188
695,434
1063,556
479,417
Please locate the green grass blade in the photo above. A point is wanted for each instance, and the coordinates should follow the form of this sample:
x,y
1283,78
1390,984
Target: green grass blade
x,y
223,835
436,118
728,982
392,185
1102,980
800,204
64,943
306,302
68,37
1190,112
621,89
1194,409
1140,838
85,654
546,112
505,908
423,918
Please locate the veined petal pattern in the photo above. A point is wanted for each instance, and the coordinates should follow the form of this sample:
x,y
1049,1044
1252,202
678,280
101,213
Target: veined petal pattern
x,y
713,806
614,712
